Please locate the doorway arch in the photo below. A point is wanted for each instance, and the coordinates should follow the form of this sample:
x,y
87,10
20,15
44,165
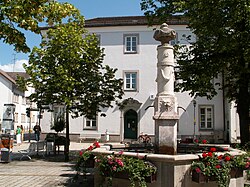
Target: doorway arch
x,y
130,124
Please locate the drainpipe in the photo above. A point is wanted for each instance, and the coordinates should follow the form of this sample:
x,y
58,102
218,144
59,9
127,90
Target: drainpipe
x,y
224,110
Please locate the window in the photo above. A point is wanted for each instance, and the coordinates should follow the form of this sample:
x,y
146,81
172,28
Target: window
x,y
130,81
16,117
90,123
23,118
23,100
58,112
16,98
131,43
206,117
33,119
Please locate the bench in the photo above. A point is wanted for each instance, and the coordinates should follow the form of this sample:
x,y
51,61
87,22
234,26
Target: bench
x,y
34,148
95,136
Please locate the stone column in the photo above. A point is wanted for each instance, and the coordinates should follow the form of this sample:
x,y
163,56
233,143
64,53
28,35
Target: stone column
x,y
165,115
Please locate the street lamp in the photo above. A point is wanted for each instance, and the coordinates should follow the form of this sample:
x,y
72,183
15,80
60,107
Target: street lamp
x,y
194,103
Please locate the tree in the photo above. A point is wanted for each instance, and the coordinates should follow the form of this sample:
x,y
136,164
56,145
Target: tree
x,y
67,69
29,15
222,49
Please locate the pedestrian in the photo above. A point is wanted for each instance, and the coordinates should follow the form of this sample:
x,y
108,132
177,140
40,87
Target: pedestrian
x,y
37,130
18,135
22,132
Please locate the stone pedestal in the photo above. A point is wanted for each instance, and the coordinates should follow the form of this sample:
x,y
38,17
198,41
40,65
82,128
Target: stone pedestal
x,y
166,124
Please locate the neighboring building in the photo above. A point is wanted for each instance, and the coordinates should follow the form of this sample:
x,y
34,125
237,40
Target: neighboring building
x,y
12,96
130,47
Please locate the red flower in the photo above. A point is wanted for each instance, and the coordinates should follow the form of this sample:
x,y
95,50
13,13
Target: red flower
x,y
196,141
218,166
210,154
220,157
90,148
212,149
96,144
204,141
204,155
80,153
227,158
198,170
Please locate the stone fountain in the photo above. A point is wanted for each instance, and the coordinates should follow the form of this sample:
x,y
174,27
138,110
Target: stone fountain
x,y
173,170
165,115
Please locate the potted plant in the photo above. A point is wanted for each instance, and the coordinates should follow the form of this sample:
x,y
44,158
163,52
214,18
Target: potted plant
x,y
210,167
86,159
137,170
220,168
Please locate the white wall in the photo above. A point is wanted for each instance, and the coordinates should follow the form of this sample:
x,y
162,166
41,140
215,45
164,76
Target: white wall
x,y
145,62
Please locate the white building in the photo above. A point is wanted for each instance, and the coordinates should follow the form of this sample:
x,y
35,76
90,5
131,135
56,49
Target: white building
x,y
10,95
130,47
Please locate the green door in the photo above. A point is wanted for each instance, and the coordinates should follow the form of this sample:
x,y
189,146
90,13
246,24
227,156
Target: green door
x,y
130,124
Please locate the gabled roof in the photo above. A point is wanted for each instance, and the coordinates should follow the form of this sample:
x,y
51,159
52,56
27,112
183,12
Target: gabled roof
x,y
127,21
5,74
12,76
130,21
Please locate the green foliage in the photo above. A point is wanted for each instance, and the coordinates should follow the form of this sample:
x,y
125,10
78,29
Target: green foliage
x,y
221,50
29,15
67,69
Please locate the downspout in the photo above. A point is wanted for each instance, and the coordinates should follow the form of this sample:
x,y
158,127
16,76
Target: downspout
x,y
224,109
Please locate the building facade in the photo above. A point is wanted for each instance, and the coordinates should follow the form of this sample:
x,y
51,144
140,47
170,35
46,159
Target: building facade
x,y
129,46
14,98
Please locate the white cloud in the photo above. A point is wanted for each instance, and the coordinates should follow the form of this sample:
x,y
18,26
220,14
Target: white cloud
x,y
18,67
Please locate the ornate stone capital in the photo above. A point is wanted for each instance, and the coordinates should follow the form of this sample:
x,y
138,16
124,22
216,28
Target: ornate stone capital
x,y
164,34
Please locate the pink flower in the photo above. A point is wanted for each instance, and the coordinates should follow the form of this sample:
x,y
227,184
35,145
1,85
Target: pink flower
x,y
198,170
140,157
120,152
80,153
114,168
97,160
119,162
247,165
110,162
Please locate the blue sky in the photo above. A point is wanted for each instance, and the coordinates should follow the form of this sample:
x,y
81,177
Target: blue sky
x,y
88,8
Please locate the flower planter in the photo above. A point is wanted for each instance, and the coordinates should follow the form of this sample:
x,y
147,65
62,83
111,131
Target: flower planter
x,y
236,172
125,175
199,177
90,163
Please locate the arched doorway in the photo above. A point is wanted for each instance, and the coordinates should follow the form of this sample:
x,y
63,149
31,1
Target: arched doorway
x,y
130,124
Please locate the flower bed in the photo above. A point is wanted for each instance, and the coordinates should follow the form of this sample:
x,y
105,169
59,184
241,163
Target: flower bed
x,y
221,167
138,171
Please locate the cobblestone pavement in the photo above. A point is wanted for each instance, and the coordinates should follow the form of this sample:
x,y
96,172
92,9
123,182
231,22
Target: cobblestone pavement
x,y
39,171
